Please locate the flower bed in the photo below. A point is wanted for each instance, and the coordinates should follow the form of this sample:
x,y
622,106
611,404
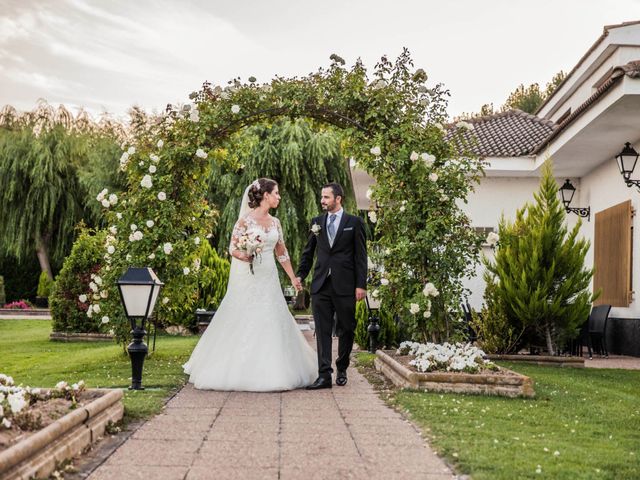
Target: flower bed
x,y
450,368
40,428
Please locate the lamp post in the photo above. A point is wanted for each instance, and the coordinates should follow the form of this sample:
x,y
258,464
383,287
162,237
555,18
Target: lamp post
x,y
373,306
139,289
568,190
627,160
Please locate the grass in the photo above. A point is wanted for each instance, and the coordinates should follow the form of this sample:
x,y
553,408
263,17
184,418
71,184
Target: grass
x,y
31,359
583,424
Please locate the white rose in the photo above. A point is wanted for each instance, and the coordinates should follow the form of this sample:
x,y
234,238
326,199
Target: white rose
x,y
105,203
111,249
194,116
131,150
141,163
152,169
402,208
186,270
426,314
384,281
493,238
98,280
133,227
124,158
82,298
6,423
414,156
151,256
168,248
93,286
119,216
368,194
165,300
160,144
146,181
440,127
16,401
235,109
113,229
104,294
162,196
428,158
90,311
375,293
102,194
373,216
414,308
96,308
137,235
201,153
154,158
61,385
196,240
376,151
105,319
433,177
465,125
128,257
150,223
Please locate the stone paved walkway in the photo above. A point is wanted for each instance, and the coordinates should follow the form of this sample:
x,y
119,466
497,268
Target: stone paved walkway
x,y
345,432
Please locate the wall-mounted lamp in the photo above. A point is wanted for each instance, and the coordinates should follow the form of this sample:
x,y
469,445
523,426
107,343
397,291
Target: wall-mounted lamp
x,y
627,160
568,190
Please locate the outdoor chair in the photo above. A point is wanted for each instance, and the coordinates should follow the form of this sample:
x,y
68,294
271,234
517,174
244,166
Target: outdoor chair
x,y
596,329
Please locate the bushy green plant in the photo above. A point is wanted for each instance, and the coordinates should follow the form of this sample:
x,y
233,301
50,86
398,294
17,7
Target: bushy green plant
x,y
491,324
542,281
387,337
212,279
72,291
3,297
44,285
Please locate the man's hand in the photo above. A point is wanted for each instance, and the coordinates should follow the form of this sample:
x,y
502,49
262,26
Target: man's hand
x,y
361,293
297,284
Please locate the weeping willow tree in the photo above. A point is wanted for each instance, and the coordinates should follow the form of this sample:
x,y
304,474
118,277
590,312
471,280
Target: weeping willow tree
x,y
48,159
300,158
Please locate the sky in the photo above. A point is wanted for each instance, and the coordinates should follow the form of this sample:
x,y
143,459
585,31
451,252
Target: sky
x,y
105,56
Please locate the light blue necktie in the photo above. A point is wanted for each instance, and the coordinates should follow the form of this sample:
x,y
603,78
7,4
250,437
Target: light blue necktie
x,y
332,228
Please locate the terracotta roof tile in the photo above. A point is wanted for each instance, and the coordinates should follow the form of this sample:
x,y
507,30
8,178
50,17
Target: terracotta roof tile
x,y
513,133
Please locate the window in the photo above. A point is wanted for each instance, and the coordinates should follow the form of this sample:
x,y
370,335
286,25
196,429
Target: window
x,y
612,255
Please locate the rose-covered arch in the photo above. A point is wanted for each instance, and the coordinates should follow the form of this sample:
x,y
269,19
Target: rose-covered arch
x,y
392,125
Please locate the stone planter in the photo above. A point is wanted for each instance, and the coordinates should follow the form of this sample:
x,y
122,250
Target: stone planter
x,y
37,455
203,319
32,312
80,337
546,360
506,383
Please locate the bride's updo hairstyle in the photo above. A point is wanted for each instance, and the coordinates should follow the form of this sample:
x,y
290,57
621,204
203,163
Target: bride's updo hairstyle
x,y
258,189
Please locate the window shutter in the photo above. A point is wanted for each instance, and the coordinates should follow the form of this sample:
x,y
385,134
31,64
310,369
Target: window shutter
x,y
612,255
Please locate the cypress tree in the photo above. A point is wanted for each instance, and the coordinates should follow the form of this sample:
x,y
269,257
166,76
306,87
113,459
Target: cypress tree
x,y
542,280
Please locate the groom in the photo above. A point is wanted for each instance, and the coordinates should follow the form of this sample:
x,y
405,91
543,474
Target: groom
x,y
339,280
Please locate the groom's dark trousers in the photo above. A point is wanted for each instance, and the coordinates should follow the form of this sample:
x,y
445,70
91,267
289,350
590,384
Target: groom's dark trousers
x,y
339,269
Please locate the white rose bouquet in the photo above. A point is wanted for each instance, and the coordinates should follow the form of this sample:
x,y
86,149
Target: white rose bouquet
x,y
251,244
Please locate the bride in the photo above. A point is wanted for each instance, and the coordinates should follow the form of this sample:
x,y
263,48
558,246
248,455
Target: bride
x,y
253,343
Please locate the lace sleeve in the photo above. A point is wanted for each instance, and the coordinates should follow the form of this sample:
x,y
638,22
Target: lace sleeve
x,y
281,249
238,230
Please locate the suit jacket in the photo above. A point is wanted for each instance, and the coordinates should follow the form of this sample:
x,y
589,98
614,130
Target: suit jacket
x,y
347,258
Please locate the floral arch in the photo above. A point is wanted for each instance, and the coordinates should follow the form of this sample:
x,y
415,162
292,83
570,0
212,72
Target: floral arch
x,y
392,125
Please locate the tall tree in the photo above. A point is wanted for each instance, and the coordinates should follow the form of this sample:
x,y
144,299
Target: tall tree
x,y
542,279
299,158
42,196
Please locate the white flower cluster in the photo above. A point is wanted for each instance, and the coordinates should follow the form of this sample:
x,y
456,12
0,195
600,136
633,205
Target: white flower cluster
x,y
429,357
492,239
464,125
189,111
107,201
427,158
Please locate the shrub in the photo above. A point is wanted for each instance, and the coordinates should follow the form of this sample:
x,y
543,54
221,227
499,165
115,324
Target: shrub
x,y
213,278
19,305
388,330
44,285
72,286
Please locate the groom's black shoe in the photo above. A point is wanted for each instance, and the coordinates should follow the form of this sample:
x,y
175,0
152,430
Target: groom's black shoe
x,y
341,378
321,382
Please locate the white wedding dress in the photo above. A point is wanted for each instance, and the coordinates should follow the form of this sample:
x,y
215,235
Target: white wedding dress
x,y
253,343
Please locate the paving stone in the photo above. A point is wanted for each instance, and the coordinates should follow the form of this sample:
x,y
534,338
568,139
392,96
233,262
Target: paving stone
x,y
155,452
114,472
231,473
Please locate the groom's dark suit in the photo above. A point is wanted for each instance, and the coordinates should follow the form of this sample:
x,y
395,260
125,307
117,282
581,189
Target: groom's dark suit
x,y
340,269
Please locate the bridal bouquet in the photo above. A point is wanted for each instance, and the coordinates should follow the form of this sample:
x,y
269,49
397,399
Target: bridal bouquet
x,y
251,244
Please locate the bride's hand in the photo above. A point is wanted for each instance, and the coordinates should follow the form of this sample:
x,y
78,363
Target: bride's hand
x,y
243,257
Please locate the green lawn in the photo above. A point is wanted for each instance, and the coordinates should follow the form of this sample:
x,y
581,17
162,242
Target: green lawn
x,y
583,424
31,359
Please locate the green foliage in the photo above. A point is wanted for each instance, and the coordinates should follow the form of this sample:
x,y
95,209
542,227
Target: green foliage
x,y
68,311
387,337
542,280
212,279
301,159
528,99
491,324
3,296
43,155
44,285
